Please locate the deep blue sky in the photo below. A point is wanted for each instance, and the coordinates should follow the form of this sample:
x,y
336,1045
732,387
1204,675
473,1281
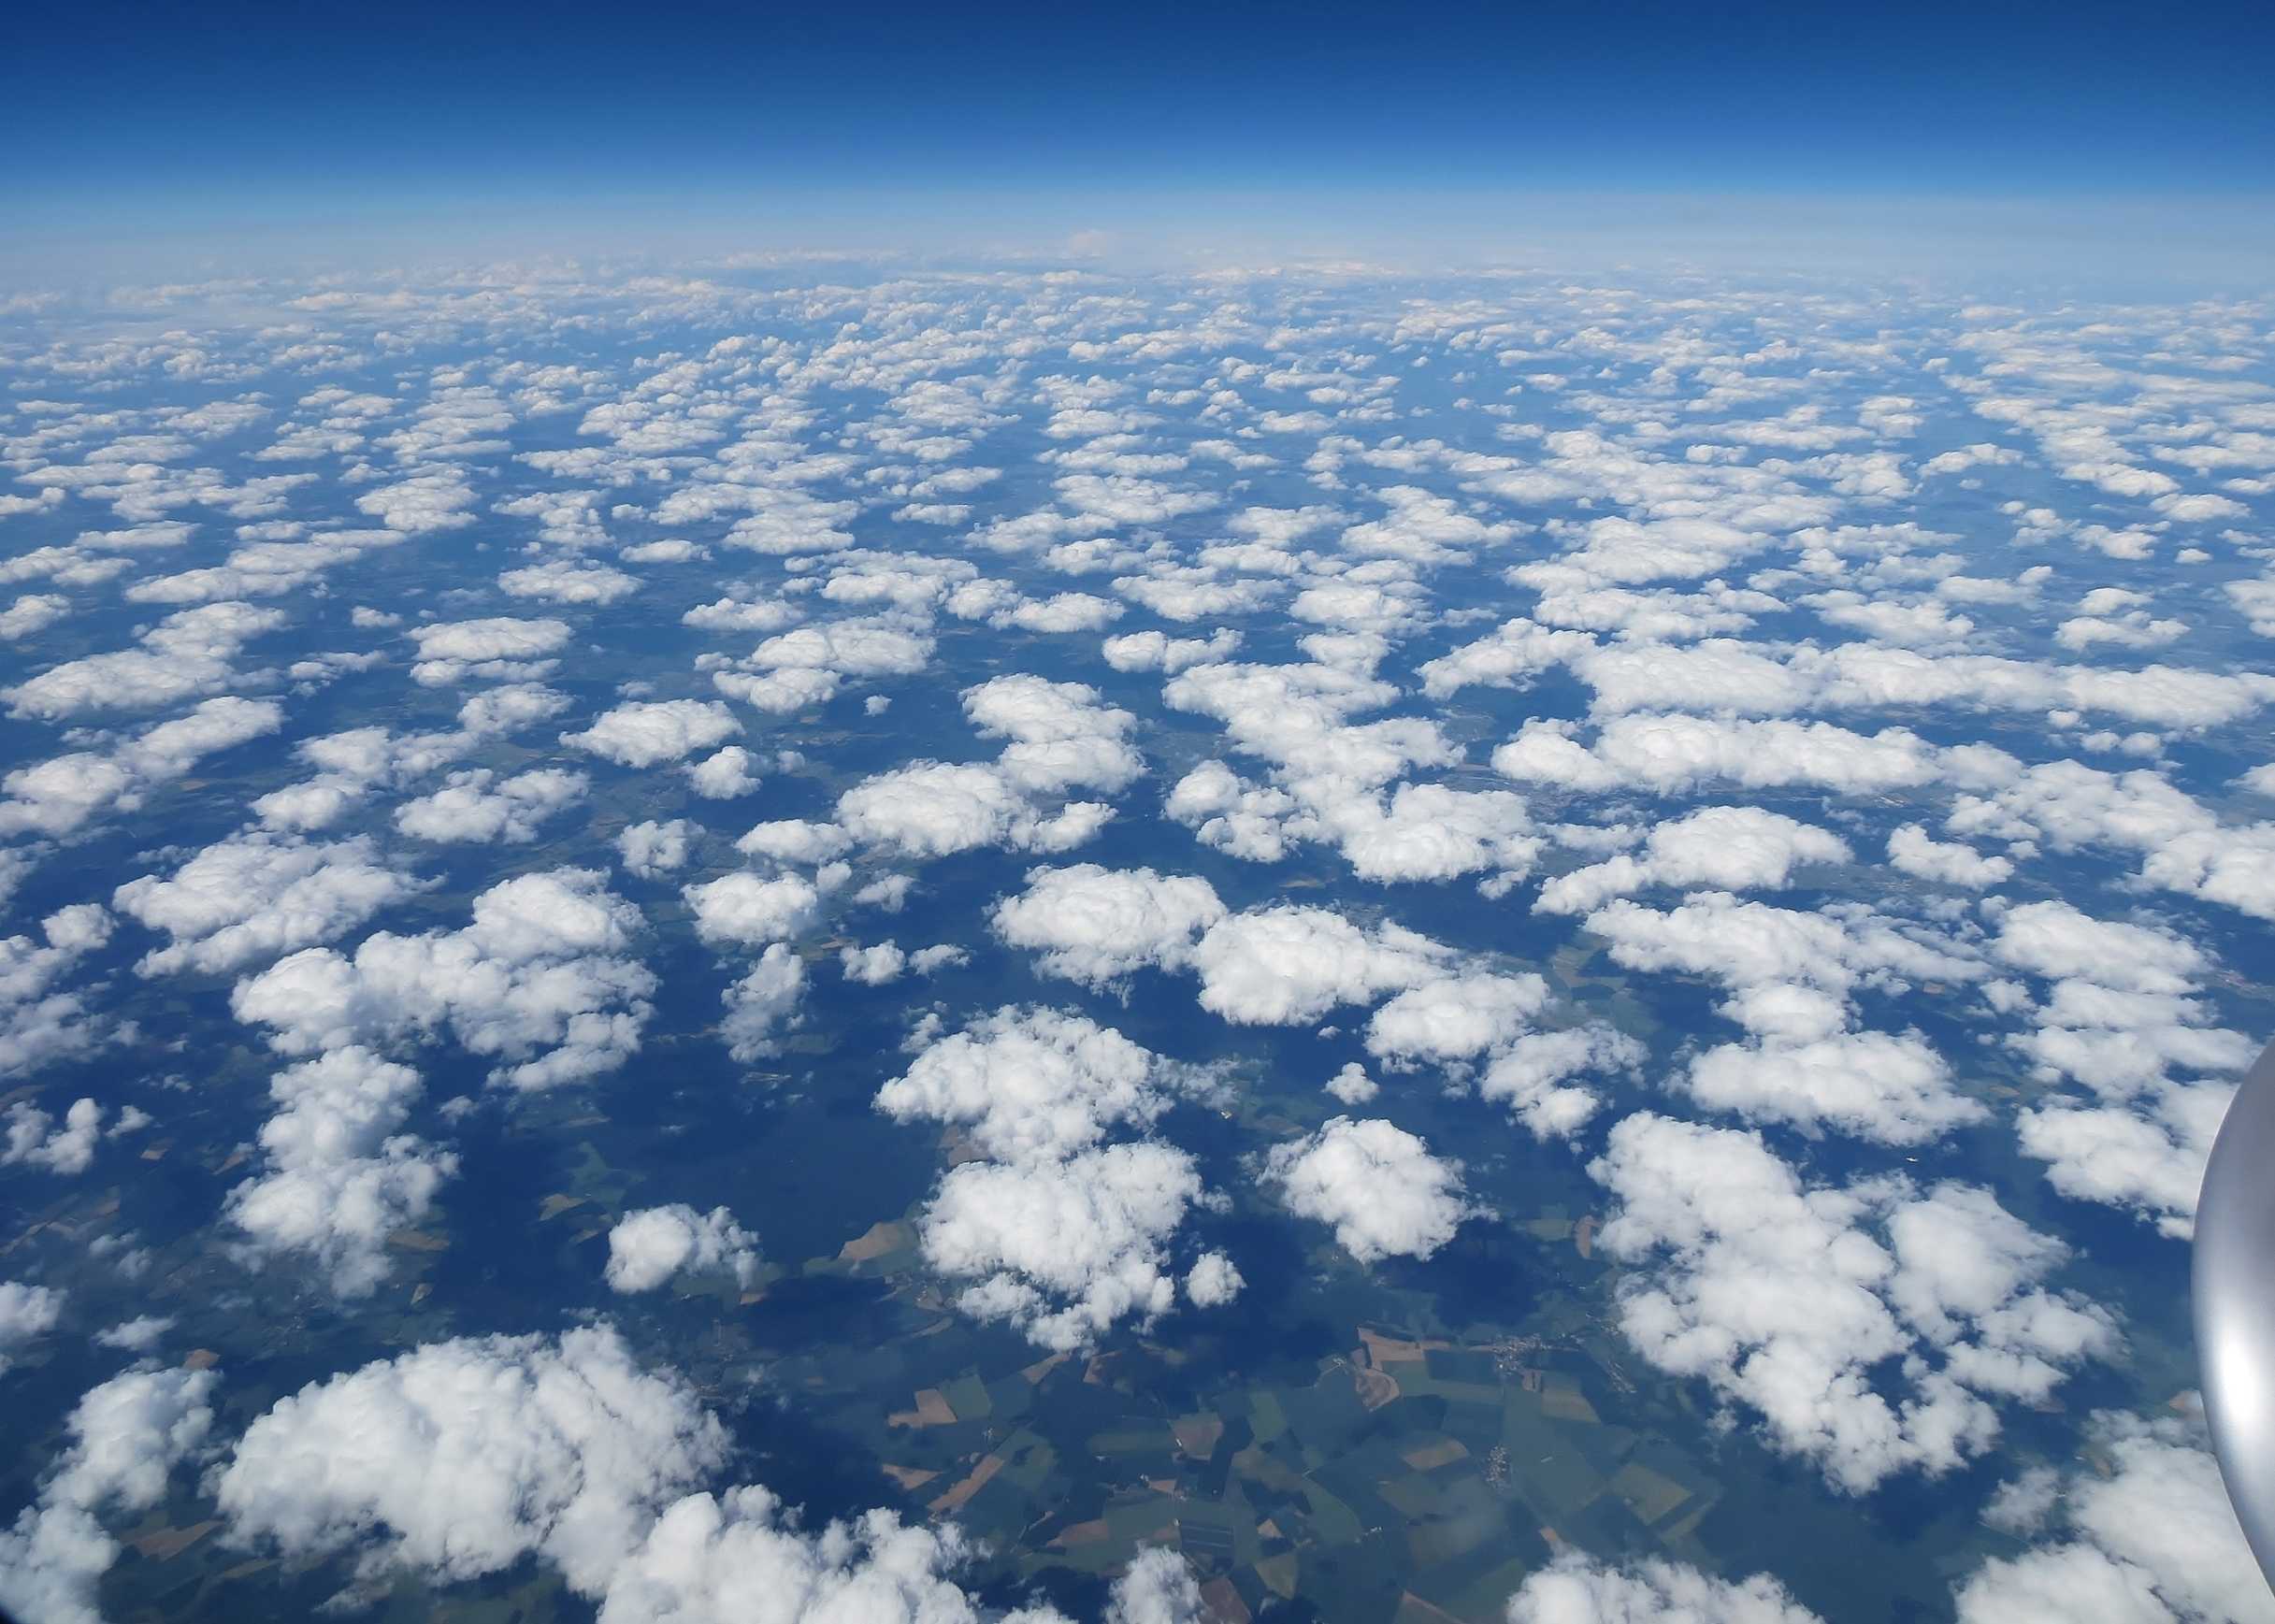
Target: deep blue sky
x,y
156,119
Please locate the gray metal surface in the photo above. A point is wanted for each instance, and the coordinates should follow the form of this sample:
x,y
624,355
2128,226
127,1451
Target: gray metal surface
x,y
2235,1305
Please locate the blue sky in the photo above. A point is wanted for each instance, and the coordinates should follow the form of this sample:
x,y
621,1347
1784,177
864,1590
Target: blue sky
x,y
127,123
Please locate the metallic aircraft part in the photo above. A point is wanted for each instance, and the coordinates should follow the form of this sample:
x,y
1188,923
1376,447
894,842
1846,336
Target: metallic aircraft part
x,y
2235,1305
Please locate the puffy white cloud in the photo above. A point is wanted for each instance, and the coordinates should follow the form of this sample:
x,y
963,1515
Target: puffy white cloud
x,y
60,795
763,1000
1213,1280
2152,1538
2111,620
1855,675
1429,831
724,774
479,807
502,711
137,1335
740,614
1707,511
127,1435
262,568
647,1247
310,806
498,647
340,1177
1577,1589
740,1555
255,896
1891,1088
1062,1249
1034,1083
1352,1086
1274,711
78,928
38,1024
642,733
2183,847
1423,528
1532,1075
170,749
1965,457
565,582
1510,657
1656,615
1186,595
1287,966
1331,777
674,550
1061,736
2148,1157
2078,951
847,648
1379,1186
1726,675
1717,674
1914,852
1154,651
26,1313
651,848
1632,551
57,796
33,1137
788,521
1726,848
1685,754
1110,500
64,566
779,693
1454,1018
1157,1587
1062,1235
907,582
1385,606
1791,977
1781,1298
934,809
795,840
538,980
874,966
744,908
421,504
2119,1019
461,1459
184,655
31,614
1232,816
1095,924
888,892
1060,613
